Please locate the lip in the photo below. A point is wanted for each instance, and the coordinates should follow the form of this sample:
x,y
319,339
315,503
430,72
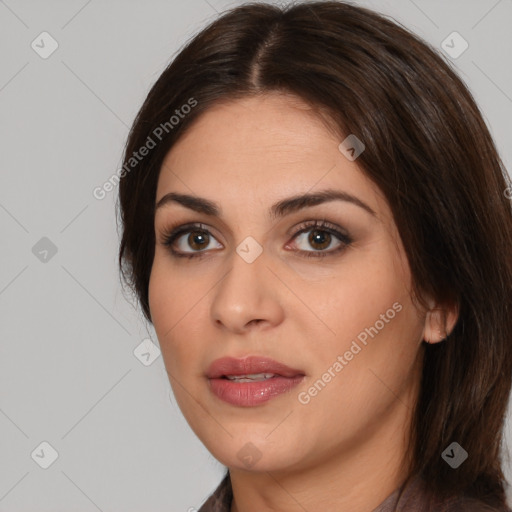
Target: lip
x,y
249,394
251,364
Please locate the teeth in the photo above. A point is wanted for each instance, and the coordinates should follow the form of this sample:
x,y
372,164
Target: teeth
x,y
250,377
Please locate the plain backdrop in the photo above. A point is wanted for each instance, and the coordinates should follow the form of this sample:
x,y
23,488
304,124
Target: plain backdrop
x,y
80,391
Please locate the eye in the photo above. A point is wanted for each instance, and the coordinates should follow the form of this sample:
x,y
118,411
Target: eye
x,y
198,238
322,235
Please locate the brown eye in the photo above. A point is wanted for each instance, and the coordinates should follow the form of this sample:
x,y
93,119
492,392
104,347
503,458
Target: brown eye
x,y
319,239
321,235
194,245
198,240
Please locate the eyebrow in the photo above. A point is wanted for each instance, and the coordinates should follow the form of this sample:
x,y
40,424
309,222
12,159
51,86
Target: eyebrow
x,y
279,209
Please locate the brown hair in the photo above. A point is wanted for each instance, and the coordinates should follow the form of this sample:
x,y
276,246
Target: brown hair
x,y
428,149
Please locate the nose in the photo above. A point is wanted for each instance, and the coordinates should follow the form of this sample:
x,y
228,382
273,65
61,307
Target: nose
x,y
247,297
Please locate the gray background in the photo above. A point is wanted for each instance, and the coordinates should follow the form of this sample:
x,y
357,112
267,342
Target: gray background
x,y
68,372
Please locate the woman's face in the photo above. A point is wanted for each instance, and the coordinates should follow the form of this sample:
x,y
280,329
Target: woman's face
x,y
345,320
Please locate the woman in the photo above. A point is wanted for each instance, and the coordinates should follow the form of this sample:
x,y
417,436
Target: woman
x,y
315,220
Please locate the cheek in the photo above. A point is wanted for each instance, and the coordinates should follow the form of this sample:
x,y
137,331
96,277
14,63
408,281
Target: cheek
x,y
366,287
165,306
159,297
170,294
369,309
175,305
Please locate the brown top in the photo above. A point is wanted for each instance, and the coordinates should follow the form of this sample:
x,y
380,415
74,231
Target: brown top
x,y
413,499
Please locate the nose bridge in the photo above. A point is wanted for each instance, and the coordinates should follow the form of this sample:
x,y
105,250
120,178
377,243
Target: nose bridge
x,y
248,266
245,293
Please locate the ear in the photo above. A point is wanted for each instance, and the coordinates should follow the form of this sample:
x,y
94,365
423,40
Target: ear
x,y
439,322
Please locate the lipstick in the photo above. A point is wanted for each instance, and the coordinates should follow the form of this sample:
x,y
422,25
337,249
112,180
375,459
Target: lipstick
x,y
251,381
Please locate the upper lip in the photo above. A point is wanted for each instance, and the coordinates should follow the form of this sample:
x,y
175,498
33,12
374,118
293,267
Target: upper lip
x,y
248,365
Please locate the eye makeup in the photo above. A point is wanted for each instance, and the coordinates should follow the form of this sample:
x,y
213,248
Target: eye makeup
x,y
317,228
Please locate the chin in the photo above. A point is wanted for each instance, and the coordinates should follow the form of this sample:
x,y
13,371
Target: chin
x,y
249,454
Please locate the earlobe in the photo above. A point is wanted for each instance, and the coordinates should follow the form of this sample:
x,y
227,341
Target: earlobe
x,y
439,323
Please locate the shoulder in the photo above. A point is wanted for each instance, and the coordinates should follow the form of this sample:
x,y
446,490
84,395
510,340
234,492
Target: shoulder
x,y
416,497
220,500
473,505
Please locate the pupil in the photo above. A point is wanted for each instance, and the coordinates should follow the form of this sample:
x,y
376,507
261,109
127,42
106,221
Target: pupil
x,y
319,237
194,235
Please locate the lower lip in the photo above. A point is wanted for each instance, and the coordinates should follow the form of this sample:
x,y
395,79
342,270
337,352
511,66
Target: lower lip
x,y
249,394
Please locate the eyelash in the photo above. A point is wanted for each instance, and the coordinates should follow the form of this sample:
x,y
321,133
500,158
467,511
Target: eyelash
x,y
171,236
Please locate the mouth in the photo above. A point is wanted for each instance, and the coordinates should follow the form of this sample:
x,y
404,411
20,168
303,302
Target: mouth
x,y
252,377
252,367
251,381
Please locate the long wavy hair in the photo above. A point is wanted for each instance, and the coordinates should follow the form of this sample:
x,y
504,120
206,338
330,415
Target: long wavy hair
x,y
429,151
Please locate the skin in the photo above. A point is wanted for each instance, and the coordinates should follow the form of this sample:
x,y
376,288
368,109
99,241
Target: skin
x,y
342,450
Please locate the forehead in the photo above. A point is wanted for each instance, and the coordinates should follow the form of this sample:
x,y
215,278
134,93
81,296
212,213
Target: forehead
x,y
260,128
259,149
